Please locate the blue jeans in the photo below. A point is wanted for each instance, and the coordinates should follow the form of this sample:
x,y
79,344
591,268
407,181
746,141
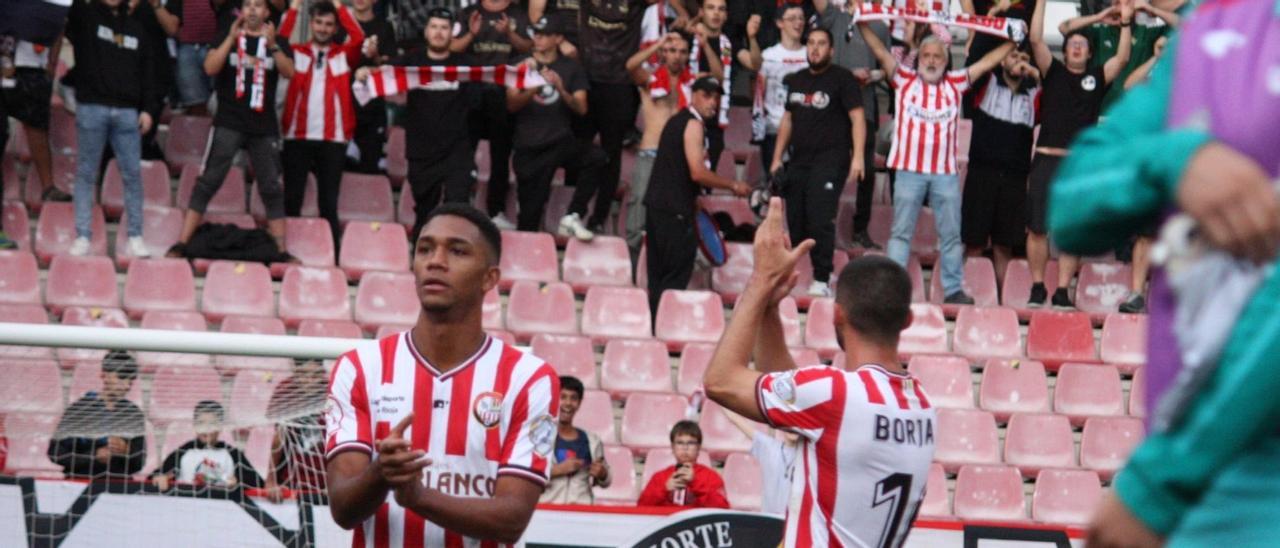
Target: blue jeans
x,y
909,192
95,125
194,86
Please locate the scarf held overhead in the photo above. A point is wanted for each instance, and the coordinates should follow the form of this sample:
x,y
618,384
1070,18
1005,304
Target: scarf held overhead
x,y
386,80
1004,27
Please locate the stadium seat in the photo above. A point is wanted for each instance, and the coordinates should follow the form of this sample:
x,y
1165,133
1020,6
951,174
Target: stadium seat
x,y
21,281
1036,441
250,394
982,333
927,333
237,288
819,331
1058,337
1124,341
87,377
602,261
228,199
916,273
622,490
340,329
966,436
1066,497
188,138
534,307
731,278
804,270
397,165
30,386
56,229
528,256
924,243
89,317
689,316
1102,286
159,284
556,207
935,503
1137,393
945,379
257,448
1084,391
310,293
569,354
1013,386
254,325
506,337
647,420
310,202
658,458
309,240
1016,289
596,415
616,312
736,207
405,214
631,366
155,187
24,313
374,246
387,298
700,280
1106,443
161,227
804,357
81,281
719,436
693,364
173,321
17,224
979,282
391,329
365,198
491,310
64,179
743,482
176,390
28,445
989,493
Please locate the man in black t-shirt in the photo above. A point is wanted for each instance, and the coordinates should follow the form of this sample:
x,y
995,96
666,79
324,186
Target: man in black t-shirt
x,y
544,139
101,434
365,154
825,131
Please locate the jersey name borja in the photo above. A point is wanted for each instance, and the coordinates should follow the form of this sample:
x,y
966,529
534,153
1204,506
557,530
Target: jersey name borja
x,y
492,416
867,442
924,133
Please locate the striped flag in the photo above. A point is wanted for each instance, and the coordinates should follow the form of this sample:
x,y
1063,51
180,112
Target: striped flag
x,y
1004,27
36,21
386,80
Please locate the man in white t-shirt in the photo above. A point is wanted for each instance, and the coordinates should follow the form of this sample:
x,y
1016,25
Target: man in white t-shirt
x,y
773,64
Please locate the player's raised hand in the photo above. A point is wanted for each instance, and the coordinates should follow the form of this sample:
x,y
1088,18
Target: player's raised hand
x,y
775,259
398,463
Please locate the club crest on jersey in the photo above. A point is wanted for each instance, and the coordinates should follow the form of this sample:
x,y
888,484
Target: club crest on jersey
x,y
542,433
487,409
333,414
784,386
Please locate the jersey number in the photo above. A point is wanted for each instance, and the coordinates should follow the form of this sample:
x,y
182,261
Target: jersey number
x,y
894,490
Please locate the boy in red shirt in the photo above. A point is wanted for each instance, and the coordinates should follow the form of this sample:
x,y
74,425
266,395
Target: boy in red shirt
x,y
686,483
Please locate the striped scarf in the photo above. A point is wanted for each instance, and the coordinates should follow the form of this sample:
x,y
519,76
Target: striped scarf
x,y
1004,27
660,85
386,80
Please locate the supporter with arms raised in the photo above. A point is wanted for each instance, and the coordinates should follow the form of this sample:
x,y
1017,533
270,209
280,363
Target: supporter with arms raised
x,y
578,462
101,434
685,483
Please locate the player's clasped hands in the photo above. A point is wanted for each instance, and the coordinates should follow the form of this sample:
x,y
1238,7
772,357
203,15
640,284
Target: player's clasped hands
x,y
399,465
775,259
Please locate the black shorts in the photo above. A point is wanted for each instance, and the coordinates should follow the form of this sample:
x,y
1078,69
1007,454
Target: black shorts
x,y
28,100
1043,168
993,207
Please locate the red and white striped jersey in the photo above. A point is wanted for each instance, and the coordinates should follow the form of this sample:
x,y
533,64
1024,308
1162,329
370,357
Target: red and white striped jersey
x,y
868,439
318,104
492,416
924,134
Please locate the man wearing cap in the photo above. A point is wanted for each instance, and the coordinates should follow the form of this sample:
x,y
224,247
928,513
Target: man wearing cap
x,y
544,140
671,200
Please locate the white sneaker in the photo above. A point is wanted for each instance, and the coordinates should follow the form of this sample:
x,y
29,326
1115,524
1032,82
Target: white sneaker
x,y
819,289
138,248
503,223
80,247
571,225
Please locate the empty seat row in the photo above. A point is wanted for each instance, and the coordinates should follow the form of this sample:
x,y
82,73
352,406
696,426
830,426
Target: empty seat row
x,y
1021,386
995,493
1034,441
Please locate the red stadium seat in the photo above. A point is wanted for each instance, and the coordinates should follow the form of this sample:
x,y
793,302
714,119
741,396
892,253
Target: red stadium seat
x,y
596,415
31,386
387,298
365,198
743,482
176,390
228,199
819,331
373,246
1102,287
1107,442
159,284
983,333
188,138
647,420
945,379
81,281
250,395
89,317
966,436
528,256
616,312
1066,497
237,288
534,308
17,224
1036,441
989,493
155,187
21,281
309,293
979,282
1013,386
719,436
693,364
28,451
1124,341
24,313
622,490
491,310
309,240
1058,337
602,261
658,458
56,229
927,333
689,316
173,321
87,377
255,325
1137,393
569,355
631,366
339,329
161,227
310,201
936,503
1086,391
1016,289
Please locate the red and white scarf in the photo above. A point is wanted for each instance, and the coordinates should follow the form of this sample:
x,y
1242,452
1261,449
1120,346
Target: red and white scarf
x,y
1004,27
726,61
660,85
386,80
258,62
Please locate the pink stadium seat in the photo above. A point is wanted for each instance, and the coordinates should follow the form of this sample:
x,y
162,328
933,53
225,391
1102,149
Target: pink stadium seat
x,y
1013,386
161,227
557,206
1057,337
1036,441
24,313
1066,497
989,493
174,321
81,281
596,415
250,394
257,449
622,490
340,329
804,357
387,298
176,390
819,331
188,137
228,199
658,458
17,224
916,273
701,278
689,316
528,256
255,325
491,310
391,329
28,437
647,420
365,198
719,436
310,201
31,386
804,269
743,482
979,282
87,377
506,337
945,379
159,284
1086,391
936,504
89,317
405,214
569,354
397,165
309,240
1107,442
602,261
1124,341
534,308
1016,289
64,178
56,229
730,278
983,333
631,366
693,364
237,288
1137,393
21,281
966,436
790,315
155,187
924,243
373,246
309,293
736,207
1102,287
616,312
927,333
